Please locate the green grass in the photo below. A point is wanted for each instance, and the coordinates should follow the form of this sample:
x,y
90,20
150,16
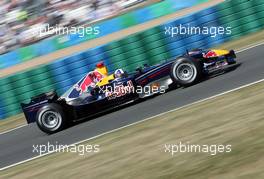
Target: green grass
x,y
235,118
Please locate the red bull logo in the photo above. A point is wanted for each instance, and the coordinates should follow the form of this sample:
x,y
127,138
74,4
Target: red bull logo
x,y
210,54
89,80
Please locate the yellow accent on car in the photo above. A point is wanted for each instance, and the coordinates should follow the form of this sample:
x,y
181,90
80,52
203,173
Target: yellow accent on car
x,y
102,70
220,52
105,80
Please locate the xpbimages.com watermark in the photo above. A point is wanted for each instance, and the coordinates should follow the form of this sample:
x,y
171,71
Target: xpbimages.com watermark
x,y
174,31
181,147
118,90
81,31
80,149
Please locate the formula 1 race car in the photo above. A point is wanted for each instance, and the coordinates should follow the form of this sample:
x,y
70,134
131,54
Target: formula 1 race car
x,y
98,91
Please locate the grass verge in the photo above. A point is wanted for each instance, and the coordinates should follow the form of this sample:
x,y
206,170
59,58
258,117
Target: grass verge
x,y
138,151
12,122
250,39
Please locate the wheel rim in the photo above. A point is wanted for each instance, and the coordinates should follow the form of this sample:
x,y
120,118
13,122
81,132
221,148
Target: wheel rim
x,y
51,119
186,72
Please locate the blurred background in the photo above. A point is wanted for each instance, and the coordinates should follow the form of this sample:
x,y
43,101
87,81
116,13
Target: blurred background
x,y
20,20
30,64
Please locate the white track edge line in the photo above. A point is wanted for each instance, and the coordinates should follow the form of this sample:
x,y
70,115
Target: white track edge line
x,y
7,131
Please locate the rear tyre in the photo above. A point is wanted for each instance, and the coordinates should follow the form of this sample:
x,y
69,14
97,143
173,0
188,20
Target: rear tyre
x,y
51,118
186,71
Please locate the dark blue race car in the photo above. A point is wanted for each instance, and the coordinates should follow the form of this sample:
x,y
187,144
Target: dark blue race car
x,y
97,91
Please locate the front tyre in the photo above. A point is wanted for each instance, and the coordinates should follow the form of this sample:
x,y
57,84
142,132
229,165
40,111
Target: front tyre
x,y
186,71
51,119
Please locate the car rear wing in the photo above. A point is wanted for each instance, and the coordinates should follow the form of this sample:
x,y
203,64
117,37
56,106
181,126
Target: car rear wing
x,y
30,109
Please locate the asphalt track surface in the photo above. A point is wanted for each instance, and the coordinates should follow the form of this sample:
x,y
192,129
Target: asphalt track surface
x,y
17,145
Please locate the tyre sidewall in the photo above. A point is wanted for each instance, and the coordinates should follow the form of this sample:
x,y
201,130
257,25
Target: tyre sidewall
x,y
53,108
188,61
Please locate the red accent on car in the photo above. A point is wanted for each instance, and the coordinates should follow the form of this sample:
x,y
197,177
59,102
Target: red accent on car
x,y
210,54
100,65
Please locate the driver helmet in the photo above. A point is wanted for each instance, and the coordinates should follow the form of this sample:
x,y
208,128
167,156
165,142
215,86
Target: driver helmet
x,y
100,67
119,73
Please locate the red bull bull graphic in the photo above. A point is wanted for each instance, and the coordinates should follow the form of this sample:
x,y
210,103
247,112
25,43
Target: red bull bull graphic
x,y
89,80
210,54
87,83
